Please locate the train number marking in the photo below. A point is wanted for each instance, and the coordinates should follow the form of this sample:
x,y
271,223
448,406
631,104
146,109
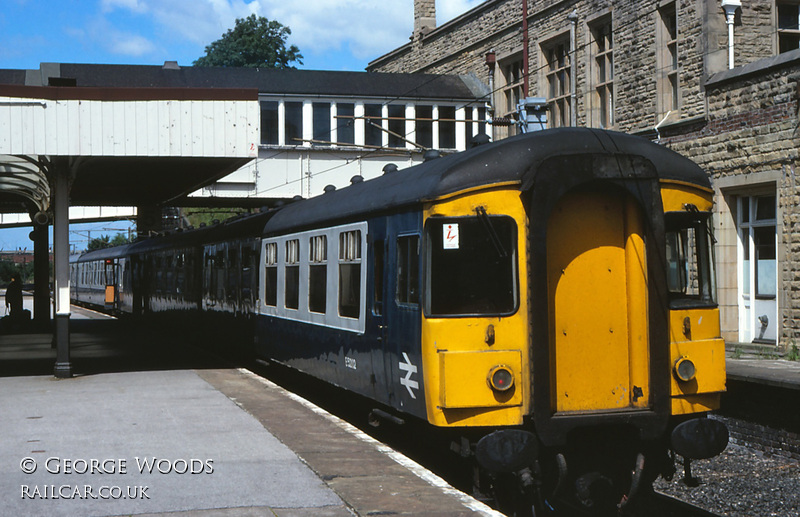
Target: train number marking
x,y
350,362
450,236
410,370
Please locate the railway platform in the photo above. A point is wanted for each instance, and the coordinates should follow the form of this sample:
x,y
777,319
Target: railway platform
x,y
149,429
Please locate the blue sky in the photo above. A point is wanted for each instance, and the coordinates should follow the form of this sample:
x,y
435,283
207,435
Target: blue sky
x,y
331,35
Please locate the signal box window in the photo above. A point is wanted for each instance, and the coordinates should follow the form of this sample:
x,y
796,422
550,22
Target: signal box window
x,y
408,269
269,122
294,123
397,125
271,288
350,274
373,134
321,122
345,125
472,265
447,127
317,273
424,126
292,286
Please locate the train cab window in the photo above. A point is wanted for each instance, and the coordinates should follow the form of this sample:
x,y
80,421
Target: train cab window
x,y
408,269
690,264
350,274
317,273
292,275
271,287
471,265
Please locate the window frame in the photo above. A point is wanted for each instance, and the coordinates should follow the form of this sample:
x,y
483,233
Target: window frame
x,y
557,75
331,317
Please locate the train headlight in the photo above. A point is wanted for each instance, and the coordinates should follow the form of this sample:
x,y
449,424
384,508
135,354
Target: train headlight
x,y
685,369
500,378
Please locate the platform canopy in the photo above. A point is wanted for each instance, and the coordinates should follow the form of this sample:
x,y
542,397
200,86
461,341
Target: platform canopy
x,y
121,146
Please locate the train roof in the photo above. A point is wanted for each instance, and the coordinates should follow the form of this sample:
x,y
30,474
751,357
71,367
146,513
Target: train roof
x,y
515,159
237,227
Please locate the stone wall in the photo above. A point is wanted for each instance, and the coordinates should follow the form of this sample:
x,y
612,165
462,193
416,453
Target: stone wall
x,y
740,125
750,138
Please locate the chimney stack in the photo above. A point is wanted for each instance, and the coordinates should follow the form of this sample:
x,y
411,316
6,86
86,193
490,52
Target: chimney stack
x,y
424,16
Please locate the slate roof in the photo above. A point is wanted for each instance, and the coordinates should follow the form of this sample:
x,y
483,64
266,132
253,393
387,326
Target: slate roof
x,y
284,82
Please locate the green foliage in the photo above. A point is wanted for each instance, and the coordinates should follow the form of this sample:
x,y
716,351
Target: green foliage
x,y
794,353
253,42
8,268
206,216
104,241
99,243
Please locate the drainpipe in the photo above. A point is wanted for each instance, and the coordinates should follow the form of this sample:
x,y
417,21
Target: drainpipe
x,y
525,91
491,61
573,68
730,7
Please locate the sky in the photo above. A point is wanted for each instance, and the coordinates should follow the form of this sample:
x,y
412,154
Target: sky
x,y
331,35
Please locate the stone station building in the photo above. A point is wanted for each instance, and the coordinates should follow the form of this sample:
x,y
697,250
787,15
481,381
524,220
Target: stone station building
x,y
716,80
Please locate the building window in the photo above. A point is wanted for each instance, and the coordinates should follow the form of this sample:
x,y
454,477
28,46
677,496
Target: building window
x,y
511,76
557,74
602,49
269,122
321,112
317,273
271,287
758,280
447,127
373,134
667,65
424,126
345,123
292,273
788,26
294,123
350,274
397,125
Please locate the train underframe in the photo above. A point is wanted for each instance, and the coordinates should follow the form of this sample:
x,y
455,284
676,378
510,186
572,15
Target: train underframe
x,y
606,470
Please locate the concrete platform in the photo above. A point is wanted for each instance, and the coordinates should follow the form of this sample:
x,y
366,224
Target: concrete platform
x,y
769,372
143,429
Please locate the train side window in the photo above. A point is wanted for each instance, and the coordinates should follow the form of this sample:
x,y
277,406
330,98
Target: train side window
x,y
378,277
317,273
408,269
292,285
350,274
271,288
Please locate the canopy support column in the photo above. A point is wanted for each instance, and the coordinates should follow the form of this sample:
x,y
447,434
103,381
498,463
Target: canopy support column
x,y
41,275
63,367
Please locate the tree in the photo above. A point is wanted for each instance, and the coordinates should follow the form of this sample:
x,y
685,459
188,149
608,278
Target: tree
x,y
99,243
253,42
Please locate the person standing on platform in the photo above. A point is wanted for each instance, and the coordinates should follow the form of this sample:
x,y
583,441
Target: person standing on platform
x,y
14,296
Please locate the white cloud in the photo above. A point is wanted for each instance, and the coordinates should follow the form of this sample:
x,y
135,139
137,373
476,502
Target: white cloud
x,y
130,45
366,29
136,6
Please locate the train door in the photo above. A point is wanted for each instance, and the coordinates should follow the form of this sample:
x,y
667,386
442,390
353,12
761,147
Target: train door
x,y
399,311
111,273
597,300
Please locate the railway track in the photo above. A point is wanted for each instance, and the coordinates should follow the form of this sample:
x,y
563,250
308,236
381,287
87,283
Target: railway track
x,y
432,448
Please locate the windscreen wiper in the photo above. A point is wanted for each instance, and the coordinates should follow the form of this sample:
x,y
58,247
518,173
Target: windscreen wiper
x,y
487,224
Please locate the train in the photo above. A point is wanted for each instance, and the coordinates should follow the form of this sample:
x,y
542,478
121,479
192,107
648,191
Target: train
x,y
548,298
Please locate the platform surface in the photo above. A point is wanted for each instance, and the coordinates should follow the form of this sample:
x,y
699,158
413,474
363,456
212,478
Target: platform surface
x,y
147,429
